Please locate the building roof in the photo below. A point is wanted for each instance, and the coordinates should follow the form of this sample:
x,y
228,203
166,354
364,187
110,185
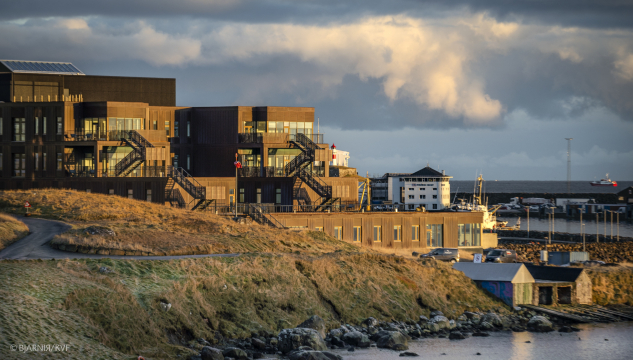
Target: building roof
x,y
39,67
514,273
554,273
427,171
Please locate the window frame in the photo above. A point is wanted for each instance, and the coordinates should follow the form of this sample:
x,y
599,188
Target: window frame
x,y
357,234
397,233
377,233
338,232
415,232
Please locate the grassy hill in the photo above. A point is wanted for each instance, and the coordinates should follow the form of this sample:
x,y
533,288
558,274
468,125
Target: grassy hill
x,y
11,230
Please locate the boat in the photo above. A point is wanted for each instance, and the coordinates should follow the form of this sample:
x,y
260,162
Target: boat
x,y
490,221
604,182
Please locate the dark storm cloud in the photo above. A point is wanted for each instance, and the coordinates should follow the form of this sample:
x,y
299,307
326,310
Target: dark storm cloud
x,y
584,13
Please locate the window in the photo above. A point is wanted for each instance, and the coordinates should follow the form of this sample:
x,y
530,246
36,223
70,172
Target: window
x,y
397,233
188,162
259,195
415,232
411,189
44,160
318,228
59,161
175,161
434,188
241,195
110,191
377,233
338,233
176,125
19,165
130,194
422,188
44,125
60,127
148,196
434,196
18,129
434,206
88,191
188,128
357,233
411,197
37,126
36,161
154,125
167,127
434,235
277,196
468,234
410,206
422,196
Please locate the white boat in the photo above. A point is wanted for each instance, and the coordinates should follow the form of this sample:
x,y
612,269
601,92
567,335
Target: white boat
x,y
604,182
490,219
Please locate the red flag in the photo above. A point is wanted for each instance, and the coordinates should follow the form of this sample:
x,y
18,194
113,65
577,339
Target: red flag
x,y
238,164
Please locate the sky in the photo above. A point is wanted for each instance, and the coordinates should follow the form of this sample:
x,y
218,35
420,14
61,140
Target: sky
x,y
488,87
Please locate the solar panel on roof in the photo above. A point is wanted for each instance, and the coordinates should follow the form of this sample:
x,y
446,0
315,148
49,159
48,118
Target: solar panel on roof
x,y
41,67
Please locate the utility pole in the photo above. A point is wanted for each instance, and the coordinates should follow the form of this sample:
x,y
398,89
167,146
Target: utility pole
x,y
569,164
597,228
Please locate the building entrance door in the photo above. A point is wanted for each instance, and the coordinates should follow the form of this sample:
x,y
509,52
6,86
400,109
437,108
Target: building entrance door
x,y
564,295
545,295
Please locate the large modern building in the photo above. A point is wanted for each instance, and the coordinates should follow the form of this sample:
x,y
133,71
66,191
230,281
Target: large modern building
x,y
60,128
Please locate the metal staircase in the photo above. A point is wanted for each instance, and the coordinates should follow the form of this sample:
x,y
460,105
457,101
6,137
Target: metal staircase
x,y
135,158
190,186
258,214
297,169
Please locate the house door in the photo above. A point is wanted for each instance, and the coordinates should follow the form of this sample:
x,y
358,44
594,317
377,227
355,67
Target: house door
x,y
545,295
564,295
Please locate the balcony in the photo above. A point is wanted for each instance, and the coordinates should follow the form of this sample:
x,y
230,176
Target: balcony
x,y
274,138
248,171
113,135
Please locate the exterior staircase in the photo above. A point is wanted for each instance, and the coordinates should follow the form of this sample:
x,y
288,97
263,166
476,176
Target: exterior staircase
x,y
135,158
297,168
261,217
190,186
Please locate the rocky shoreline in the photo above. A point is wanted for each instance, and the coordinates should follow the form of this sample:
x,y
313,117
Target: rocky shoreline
x,y
311,341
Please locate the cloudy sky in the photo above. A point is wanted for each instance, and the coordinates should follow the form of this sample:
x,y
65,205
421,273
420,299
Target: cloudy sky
x,y
487,86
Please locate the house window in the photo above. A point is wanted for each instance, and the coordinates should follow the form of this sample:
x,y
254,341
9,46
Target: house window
x,y
44,125
277,196
110,191
188,128
37,125
411,189
318,228
175,161
357,233
434,206
415,232
377,233
60,126
18,129
148,196
434,196
130,194
154,125
434,188
36,160
411,197
397,233
44,161
410,206
19,165
422,196
468,234
259,195
167,127
338,233
176,125
59,161
188,162
434,235
241,195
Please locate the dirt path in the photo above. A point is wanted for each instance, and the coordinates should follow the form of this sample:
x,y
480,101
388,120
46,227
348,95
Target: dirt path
x,y
35,245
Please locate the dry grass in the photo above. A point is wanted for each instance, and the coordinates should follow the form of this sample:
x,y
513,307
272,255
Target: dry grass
x,y
612,284
11,230
160,229
109,315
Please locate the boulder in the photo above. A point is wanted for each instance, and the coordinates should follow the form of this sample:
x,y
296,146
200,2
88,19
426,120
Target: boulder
x,y
105,270
235,353
258,344
314,322
540,324
388,339
399,347
369,322
456,335
313,355
493,319
336,341
165,306
338,332
441,321
436,313
292,339
518,328
357,339
209,353
433,327
423,319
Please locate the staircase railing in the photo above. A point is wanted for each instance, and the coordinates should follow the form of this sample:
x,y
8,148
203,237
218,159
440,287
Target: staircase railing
x,y
259,216
137,155
136,138
176,196
316,184
187,182
306,142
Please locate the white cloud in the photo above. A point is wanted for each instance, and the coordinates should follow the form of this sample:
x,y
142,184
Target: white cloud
x,y
624,66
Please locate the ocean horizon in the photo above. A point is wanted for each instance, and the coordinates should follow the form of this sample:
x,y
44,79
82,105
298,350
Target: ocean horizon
x,y
536,186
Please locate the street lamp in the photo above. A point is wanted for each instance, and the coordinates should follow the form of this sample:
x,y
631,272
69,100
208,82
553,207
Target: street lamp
x,y
553,222
583,235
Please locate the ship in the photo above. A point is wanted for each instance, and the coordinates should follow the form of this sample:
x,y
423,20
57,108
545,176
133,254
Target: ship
x,y
604,182
490,221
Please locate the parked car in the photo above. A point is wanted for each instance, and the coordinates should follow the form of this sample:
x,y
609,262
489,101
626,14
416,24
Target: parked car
x,y
443,254
501,256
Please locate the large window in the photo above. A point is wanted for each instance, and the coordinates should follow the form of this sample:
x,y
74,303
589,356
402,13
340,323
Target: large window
x,y
176,130
277,196
118,124
19,165
338,233
434,235
469,234
241,195
36,160
60,126
377,233
37,126
415,232
188,128
397,233
19,131
357,233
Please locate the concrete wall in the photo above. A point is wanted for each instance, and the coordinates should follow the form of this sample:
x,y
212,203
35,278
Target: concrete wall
x,y
489,240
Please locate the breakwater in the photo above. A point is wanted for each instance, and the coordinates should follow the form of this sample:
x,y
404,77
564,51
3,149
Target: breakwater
x,y
504,198
561,236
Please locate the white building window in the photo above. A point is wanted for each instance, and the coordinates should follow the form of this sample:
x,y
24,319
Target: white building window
x,y
422,196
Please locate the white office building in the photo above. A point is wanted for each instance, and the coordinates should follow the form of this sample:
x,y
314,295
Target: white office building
x,y
426,188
